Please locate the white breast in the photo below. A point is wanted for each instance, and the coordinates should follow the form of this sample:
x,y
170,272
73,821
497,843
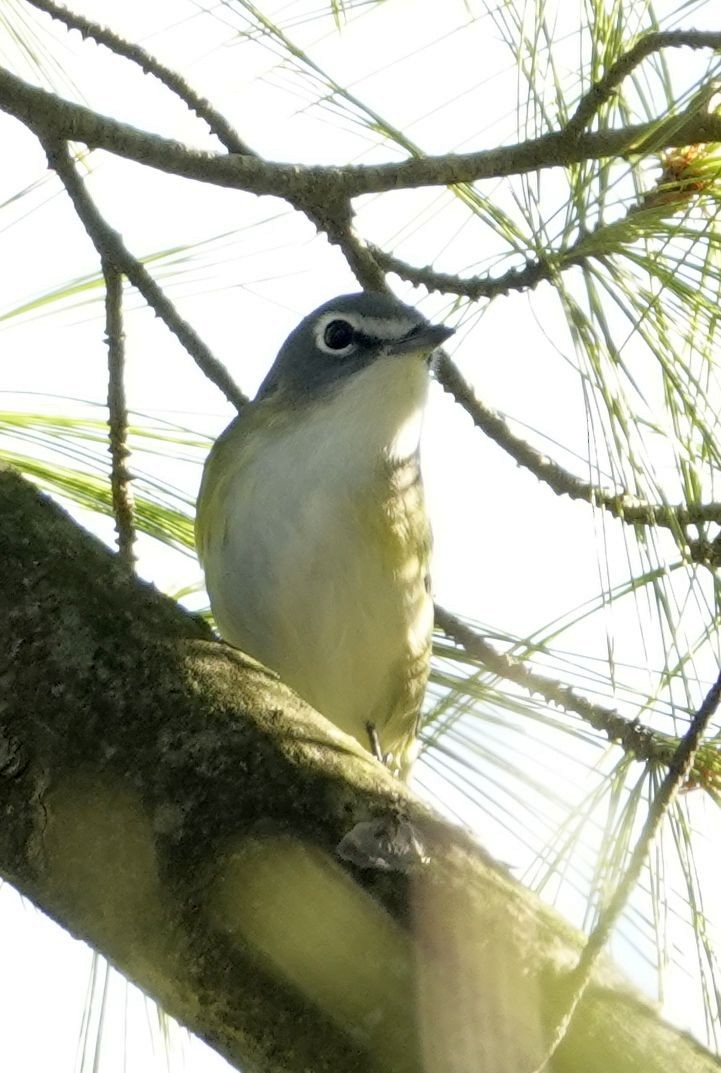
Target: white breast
x,y
323,572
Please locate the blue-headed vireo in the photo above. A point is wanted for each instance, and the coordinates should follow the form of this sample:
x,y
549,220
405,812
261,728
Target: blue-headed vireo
x,y
311,525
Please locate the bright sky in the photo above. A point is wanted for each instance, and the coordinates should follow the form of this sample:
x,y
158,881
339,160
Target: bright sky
x,y
507,551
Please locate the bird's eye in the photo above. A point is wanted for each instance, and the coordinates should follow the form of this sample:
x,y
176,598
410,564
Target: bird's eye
x,y
338,335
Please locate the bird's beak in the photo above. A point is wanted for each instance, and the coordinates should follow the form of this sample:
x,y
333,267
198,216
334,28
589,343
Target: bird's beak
x,y
422,340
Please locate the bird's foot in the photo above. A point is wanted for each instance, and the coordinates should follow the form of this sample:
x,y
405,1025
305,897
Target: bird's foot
x,y
387,759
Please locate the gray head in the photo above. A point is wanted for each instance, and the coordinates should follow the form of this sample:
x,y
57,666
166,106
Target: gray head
x,y
346,335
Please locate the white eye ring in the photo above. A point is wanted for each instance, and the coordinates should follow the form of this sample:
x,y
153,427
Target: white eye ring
x,y
336,334
339,336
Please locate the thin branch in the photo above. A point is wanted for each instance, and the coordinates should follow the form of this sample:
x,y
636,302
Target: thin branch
x,y
334,221
50,116
361,257
218,124
120,476
678,770
641,741
622,505
367,261
334,218
110,246
313,190
474,287
545,267
602,90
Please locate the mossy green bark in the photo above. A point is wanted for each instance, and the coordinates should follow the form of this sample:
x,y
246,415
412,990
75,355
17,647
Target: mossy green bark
x,y
174,804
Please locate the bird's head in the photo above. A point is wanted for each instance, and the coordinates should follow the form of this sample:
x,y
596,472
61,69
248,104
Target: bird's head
x,y
345,336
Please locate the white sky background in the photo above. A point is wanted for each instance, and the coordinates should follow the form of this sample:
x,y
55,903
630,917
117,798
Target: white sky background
x,y
508,552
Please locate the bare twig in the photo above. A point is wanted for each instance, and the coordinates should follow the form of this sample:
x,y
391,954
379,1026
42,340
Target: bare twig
x,y
110,246
218,124
640,741
361,258
547,266
334,217
46,113
602,91
475,287
335,224
325,194
621,505
120,476
678,770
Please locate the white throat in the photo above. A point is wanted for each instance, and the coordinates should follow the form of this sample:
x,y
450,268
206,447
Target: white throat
x,y
378,412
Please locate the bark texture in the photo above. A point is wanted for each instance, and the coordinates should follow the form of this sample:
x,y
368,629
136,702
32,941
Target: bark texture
x,y
170,801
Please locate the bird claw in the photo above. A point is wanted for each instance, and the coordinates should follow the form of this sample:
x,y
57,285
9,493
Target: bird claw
x,y
387,759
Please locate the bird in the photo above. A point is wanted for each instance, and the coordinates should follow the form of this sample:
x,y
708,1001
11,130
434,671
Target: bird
x,y
311,526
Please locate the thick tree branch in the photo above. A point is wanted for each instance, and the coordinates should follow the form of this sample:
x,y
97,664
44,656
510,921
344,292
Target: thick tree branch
x,y
44,112
170,801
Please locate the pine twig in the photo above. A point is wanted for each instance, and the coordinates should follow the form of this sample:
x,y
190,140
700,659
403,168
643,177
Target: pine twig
x,y
546,267
677,773
622,505
473,287
706,552
110,246
120,476
335,225
218,124
602,90
643,743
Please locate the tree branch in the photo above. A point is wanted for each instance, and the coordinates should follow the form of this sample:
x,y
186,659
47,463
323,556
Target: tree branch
x,y
678,770
218,124
622,505
643,743
602,91
120,476
44,112
475,287
110,246
174,804
706,552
